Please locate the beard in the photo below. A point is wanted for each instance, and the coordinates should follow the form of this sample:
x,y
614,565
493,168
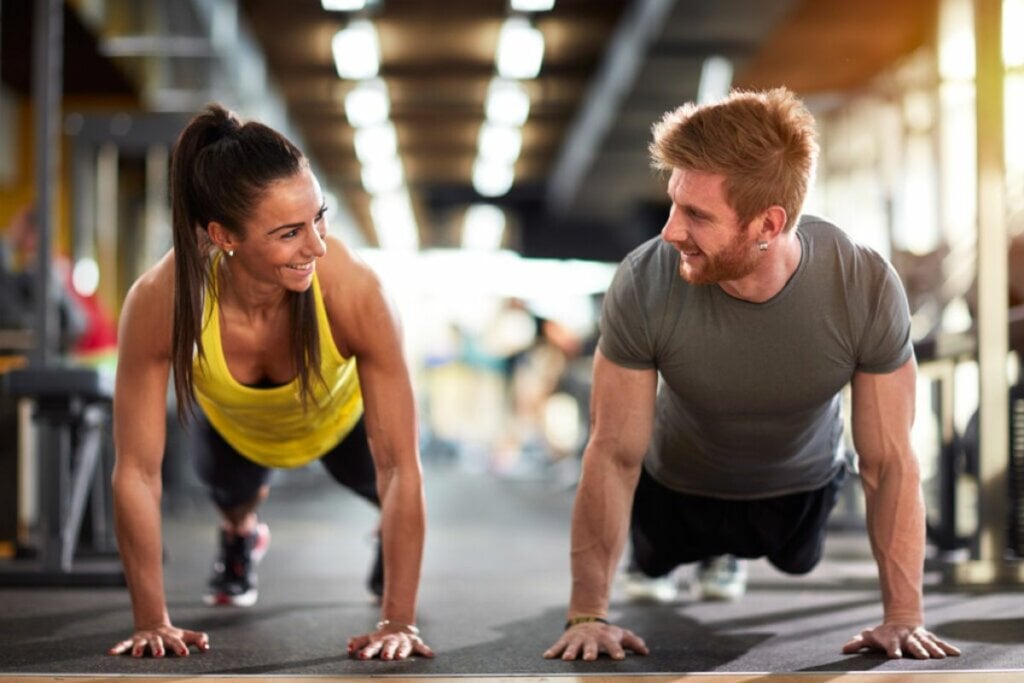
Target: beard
x,y
735,262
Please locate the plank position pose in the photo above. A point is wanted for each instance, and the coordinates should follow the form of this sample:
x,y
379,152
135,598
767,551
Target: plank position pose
x,y
754,320
292,351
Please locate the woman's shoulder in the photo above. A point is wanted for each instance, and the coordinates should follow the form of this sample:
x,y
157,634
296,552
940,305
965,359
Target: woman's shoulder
x,y
343,274
153,291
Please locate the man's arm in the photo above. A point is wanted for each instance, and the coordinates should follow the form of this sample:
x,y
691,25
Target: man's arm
x,y
622,417
883,412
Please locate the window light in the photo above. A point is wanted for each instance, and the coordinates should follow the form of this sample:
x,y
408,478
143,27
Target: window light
x,y
394,221
520,49
356,50
483,227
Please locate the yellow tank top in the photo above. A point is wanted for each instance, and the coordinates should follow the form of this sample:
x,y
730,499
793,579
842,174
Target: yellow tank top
x,y
269,426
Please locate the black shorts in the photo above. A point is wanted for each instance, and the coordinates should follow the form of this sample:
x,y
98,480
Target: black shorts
x,y
233,479
669,528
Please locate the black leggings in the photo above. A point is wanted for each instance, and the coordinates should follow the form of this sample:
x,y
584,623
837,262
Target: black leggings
x,y
234,480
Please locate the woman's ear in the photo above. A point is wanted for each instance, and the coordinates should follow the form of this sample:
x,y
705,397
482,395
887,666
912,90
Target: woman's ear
x,y
221,237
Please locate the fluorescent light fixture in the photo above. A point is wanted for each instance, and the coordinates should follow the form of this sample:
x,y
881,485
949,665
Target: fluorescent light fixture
x,y
483,227
368,103
507,102
394,221
715,79
383,177
520,49
376,144
356,50
343,5
492,178
532,5
499,143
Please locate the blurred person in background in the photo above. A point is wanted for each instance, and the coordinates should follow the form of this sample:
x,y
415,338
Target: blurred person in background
x,y
19,253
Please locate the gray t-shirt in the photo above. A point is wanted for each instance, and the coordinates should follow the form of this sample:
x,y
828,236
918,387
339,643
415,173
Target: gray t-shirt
x,y
749,402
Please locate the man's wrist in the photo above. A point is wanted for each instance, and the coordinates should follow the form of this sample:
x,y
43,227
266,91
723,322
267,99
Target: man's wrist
x,y
584,619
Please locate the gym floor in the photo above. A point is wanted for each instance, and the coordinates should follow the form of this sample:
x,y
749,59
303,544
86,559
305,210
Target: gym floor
x,y
493,594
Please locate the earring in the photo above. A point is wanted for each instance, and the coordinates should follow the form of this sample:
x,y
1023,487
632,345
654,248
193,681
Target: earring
x,y
230,252
763,246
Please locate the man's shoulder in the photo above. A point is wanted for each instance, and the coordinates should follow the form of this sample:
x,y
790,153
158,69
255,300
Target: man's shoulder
x,y
653,255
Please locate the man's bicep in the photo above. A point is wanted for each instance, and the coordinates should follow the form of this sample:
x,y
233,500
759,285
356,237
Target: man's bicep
x,y
622,407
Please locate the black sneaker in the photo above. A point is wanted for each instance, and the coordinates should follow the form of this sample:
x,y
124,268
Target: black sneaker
x,y
375,582
234,573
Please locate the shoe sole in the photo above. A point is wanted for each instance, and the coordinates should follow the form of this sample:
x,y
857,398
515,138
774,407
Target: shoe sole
x,y
247,599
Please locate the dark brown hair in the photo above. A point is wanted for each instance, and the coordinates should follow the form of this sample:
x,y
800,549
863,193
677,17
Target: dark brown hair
x,y
762,142
220,169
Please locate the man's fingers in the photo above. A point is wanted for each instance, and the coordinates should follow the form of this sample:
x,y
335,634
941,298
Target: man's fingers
x,y
635,643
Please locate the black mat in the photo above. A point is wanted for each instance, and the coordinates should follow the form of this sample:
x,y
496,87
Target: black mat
x,y
495,582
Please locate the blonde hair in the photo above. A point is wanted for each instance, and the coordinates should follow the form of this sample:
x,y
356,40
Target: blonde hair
x,y
762,142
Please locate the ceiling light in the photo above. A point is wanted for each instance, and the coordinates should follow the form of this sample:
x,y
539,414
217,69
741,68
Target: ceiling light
x,y
492,178
715,79
483,227
507,102
520,49
532,5
499,143
394,221
343,5
368,103
376,144
356,50
383,177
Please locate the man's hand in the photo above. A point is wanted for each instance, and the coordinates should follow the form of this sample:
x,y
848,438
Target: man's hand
x,y
160,640
588,640
900,640
388,643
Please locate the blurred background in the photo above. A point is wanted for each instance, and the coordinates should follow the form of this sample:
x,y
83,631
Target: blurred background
x,y
489,159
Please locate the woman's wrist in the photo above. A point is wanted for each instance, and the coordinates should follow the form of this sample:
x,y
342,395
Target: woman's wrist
x,y
584,619
391,624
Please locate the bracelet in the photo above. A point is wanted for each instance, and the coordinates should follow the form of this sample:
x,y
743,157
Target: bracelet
x,y
572,621
408,628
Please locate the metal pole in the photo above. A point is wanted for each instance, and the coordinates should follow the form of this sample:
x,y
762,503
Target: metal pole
x,y
991,564
47,85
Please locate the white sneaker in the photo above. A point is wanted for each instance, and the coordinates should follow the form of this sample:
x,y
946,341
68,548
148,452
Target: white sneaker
x,y
721,578
642,588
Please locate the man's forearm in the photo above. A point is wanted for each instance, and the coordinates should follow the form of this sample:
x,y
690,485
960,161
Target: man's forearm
x,y
896,525
599,528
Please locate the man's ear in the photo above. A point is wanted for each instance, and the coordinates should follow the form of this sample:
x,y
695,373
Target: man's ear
x,y
773,221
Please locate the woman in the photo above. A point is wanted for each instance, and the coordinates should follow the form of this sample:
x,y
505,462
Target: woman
x,y
281,341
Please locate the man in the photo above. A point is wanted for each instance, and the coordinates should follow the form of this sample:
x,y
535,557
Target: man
x,y
754,325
